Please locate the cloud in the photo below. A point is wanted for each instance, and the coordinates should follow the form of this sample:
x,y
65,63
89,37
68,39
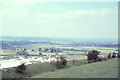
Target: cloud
x,y
84,23
78,16
26,20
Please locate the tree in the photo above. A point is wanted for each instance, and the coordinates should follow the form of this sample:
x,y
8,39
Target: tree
x,y
24,50
62,63
40,54
39,49
52,50
46,49
21,68
32,50
93,55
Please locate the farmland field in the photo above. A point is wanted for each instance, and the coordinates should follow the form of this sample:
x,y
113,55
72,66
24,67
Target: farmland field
x,y
33,52
104,50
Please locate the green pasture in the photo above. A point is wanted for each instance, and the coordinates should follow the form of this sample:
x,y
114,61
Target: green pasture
x,y
38,68
105,69
80,69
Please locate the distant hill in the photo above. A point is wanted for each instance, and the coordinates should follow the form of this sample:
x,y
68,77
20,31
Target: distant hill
x,y
59,41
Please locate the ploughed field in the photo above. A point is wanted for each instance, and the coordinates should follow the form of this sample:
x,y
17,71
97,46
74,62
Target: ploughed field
x,y
76,69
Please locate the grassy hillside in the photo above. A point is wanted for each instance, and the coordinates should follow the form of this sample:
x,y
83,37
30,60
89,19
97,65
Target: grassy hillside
x,y
106,69
31,70
38,68
81,69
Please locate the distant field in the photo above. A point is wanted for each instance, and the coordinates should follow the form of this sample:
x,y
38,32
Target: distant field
x,y
76,57
8,51
104,50
36,46
44,53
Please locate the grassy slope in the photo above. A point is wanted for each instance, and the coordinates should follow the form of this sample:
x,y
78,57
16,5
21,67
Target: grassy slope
x,y
42,70
106,69
37,68
31,70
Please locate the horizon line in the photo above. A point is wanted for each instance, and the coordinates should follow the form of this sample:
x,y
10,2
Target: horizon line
x,y
61,37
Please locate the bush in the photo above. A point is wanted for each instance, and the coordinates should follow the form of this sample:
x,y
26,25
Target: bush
x,y
21,68
61,63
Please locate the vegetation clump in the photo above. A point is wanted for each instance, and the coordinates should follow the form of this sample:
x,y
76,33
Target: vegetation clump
x,y
62,62
93,56
21,68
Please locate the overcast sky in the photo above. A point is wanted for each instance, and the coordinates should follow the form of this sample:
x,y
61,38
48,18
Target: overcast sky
x,y
59,19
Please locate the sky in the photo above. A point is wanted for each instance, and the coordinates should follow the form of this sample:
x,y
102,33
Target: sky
x,y
59,19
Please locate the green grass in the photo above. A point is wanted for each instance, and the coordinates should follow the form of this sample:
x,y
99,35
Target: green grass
x,y
38,68
80,69
106,69
31,70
